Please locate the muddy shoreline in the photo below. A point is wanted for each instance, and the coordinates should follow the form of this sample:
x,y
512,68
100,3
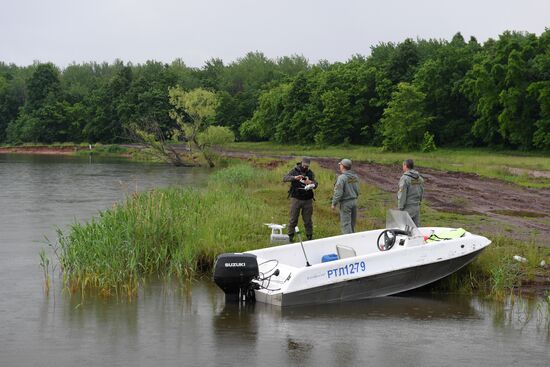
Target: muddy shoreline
x,y
47,150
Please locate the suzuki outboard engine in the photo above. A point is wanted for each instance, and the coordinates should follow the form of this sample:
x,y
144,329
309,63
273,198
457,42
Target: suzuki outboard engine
x,y
234,273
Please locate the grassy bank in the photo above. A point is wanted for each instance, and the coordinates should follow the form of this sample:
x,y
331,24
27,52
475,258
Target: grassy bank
x,y
178,232
497,274
526,169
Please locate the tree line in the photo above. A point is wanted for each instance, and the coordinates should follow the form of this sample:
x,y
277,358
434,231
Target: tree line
x,y
416,94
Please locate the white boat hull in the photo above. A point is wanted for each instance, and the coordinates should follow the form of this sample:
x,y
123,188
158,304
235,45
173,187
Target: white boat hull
x,y
379,285
370,273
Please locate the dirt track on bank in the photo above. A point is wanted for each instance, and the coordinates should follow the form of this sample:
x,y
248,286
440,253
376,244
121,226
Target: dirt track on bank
x,y
515,211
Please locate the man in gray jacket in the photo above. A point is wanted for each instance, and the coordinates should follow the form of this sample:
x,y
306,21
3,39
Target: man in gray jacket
x,y
411,191
346,191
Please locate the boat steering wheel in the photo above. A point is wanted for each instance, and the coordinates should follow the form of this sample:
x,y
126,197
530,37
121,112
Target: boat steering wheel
x,y
390,236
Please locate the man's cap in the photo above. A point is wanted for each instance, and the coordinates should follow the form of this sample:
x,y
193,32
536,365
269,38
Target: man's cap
x,y
346,163
306,161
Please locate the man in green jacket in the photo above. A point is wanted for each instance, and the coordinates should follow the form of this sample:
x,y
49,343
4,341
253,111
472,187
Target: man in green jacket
x,y
411,191
346,191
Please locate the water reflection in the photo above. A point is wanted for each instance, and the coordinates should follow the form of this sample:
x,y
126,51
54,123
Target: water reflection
x,y
236,328
517,313
415,329
194,321
359,331
236,319
419,306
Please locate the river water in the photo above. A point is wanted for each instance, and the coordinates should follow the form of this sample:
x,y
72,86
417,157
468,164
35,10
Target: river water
x,y
170,325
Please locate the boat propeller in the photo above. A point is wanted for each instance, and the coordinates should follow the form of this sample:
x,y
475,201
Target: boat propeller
x,y
390,236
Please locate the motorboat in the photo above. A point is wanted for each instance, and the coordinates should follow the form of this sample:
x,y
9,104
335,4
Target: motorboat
x,y
348,267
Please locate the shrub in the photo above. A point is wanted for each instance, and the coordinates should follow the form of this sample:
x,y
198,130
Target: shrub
x,y
428,144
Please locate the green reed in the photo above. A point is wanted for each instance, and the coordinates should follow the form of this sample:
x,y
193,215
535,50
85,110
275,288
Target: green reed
x,y
170,232
496,273
45,265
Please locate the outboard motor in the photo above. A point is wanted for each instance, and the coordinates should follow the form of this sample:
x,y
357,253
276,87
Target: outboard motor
x,y
233,273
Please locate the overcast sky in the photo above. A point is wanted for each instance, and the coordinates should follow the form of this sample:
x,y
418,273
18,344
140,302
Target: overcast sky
x,y
65,31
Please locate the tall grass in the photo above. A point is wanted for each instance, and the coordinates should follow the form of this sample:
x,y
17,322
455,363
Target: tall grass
x,y
495,272
45,265
169,232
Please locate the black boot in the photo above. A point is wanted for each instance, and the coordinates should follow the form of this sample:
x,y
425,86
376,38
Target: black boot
x,y
309,237
291,237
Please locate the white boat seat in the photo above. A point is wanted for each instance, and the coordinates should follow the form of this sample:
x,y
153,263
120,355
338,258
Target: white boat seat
x,y
345,251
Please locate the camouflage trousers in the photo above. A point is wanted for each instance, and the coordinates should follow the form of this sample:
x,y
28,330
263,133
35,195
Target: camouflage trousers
x,y
306,207
414,212
348,216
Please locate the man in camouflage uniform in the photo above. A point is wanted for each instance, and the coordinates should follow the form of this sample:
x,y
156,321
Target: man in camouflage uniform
x,y
346,191
411,191
302,183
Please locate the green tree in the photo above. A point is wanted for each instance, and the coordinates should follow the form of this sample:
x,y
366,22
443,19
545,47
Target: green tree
x,y
44,83
428,144
211,137
240,86
188,77
12,94
495,94
263,124
194,112
42,117
498,85
404,122
344,91
289,66
441,79
110,108
25,128
4,107
541,136
148,97
78,81
404,61
337,121
212,74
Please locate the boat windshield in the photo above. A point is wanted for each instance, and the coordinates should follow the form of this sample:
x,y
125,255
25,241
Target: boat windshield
x,y
397,219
